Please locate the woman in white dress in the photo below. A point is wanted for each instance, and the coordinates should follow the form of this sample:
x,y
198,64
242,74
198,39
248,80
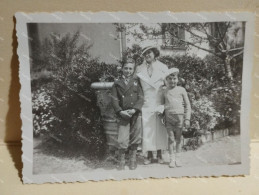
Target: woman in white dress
x,y
151,74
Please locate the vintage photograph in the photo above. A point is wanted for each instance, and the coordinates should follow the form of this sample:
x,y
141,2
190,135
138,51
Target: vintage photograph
x,y
137,98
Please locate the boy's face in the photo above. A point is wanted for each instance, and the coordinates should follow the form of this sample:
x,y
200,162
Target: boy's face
x,y
128,69
172,80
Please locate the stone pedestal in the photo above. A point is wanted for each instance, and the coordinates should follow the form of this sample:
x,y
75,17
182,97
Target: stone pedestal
x,y
103,92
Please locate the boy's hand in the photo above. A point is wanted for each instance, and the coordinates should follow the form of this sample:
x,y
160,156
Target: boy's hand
x,y
124,114
186,124
160,109
131,111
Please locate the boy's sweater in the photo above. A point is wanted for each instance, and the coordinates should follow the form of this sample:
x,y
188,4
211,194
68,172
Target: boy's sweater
x,y
176,101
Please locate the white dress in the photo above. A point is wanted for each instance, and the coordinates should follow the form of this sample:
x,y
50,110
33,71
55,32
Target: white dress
x,y
154,132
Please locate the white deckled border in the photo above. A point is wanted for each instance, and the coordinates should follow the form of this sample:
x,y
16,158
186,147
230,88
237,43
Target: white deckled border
x,y
123,17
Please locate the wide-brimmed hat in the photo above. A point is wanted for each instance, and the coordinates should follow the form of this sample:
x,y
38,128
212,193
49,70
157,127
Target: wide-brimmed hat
x,y
148,48
171,71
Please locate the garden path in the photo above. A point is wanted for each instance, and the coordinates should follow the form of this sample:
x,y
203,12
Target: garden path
x,y
222,151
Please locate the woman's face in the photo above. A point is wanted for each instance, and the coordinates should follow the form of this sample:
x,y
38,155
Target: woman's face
x,y
149,56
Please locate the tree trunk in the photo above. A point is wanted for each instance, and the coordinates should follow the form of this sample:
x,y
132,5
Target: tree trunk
x,y
228,68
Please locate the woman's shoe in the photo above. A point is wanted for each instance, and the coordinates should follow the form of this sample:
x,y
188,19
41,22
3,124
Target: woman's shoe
x,y
160,161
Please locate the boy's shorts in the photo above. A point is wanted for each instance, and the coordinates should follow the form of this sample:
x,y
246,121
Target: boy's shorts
x,y
174,126
130,134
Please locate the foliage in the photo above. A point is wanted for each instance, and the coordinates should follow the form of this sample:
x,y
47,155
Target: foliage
x,y
133,53
217,77
203,111
225,39
65,97
58,51
43,118
215,100
192,143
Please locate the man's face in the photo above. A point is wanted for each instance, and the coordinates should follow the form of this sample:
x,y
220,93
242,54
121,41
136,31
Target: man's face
x,y
149,56
172,80
128,69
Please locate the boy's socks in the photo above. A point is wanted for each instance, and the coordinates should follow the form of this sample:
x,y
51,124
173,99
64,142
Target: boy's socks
x,y
172,161
178,162
133,160
122,162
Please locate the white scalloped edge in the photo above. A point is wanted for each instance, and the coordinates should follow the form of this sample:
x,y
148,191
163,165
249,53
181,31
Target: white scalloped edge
x,y
142,17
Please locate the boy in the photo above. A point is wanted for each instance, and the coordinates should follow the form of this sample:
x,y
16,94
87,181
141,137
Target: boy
x,y
177,111
127,100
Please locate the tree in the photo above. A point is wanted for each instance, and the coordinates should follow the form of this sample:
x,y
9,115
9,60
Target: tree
x,y
225,39
222,40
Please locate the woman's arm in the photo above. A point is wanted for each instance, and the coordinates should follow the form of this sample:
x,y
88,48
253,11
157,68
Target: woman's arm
x,y
161,100
138,105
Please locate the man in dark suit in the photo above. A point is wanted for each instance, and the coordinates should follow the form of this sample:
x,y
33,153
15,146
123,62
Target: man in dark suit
x,y
127,101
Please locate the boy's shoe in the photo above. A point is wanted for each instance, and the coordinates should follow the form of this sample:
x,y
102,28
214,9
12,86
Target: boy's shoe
x,y
172,164
172,161
133,165
178,162
133,160
147,161
121,165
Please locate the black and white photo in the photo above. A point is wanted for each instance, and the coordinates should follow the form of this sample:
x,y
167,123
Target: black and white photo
x,y
134,95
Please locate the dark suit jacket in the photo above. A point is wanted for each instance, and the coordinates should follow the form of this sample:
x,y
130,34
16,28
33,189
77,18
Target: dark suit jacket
x,y
127,96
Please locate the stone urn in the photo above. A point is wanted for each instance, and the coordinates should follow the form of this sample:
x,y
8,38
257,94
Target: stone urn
x,y
108,116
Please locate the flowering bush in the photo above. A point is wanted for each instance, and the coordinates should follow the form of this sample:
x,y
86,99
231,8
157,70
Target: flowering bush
x,y
43,118
204,112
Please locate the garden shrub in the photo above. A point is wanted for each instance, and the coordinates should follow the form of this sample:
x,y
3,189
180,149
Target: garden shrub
x,y
215,100
64,105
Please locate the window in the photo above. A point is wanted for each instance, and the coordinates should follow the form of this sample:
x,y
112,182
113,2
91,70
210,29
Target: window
x,y
172,39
